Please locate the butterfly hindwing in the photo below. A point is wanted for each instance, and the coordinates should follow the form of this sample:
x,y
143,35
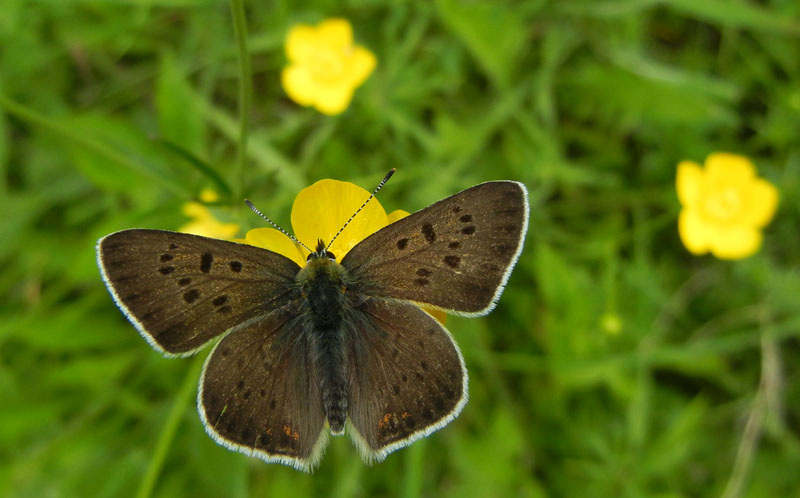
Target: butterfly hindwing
x,y
455,254
182,290
259,393
406,376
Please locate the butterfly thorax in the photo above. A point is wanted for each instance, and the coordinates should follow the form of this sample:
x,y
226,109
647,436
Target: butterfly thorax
x,y
322,286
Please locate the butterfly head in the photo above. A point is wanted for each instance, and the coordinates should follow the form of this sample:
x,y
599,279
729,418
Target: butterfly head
x,y
322,278
321,252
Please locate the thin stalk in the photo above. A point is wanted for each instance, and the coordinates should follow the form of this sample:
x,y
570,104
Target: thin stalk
x,y
767,398
245,91
170,429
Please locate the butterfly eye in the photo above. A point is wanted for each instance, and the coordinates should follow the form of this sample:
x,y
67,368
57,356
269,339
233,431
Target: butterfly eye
x,y
310,255
330,255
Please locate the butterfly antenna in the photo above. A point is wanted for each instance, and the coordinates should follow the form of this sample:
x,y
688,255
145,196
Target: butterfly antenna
x,y
255,210
380,185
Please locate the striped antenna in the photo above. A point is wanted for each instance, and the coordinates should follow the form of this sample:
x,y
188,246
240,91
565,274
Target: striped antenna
x,y
255,210
380,185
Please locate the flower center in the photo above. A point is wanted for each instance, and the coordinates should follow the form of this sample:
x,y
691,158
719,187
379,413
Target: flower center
x,y
327,65
724,204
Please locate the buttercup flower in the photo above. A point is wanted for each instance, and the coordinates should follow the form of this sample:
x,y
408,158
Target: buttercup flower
x,y
203,221
319,212
725,206
325,67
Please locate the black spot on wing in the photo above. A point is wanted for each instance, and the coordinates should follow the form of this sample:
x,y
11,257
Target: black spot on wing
x,y
452,261
205,262
429,233
191,295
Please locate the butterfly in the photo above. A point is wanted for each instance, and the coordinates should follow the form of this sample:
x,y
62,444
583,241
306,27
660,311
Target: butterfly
x,y
338,345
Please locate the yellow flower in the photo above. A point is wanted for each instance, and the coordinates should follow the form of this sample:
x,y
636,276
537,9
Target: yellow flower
x,y
725,206
325,67
319,212
203,221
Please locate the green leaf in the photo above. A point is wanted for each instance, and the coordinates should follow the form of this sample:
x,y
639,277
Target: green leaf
x,y
737,14
4,150
180,120
198,164
493,33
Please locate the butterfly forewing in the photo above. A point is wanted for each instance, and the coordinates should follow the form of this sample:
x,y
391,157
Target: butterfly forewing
x,y
455,254
182,290
260,395
407,376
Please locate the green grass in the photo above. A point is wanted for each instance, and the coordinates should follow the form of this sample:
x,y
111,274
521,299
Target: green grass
x,y
114,114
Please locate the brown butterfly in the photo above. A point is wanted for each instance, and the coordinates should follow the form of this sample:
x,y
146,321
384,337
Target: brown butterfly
x,y
330,347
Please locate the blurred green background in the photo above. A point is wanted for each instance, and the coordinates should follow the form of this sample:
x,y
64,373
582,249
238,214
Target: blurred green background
x,y
616,363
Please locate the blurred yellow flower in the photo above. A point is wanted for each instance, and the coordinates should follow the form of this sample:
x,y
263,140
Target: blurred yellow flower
x,y
203,221
725,205
319,212
325,67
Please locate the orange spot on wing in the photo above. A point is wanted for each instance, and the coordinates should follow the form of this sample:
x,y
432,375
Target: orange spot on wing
x,y
384,422
287,430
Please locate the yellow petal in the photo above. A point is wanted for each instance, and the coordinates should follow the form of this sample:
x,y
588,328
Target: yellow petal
x,y
397,214
361,64
204,223
196,210
333,99
299,85
439,315
729,168
210,227
275,241
335,33
319,211
735,242
694,233
761,203
301,43
208,195
688,182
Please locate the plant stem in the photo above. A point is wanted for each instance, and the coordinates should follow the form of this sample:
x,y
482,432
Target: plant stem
x,y
170,428
768,393
245,91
